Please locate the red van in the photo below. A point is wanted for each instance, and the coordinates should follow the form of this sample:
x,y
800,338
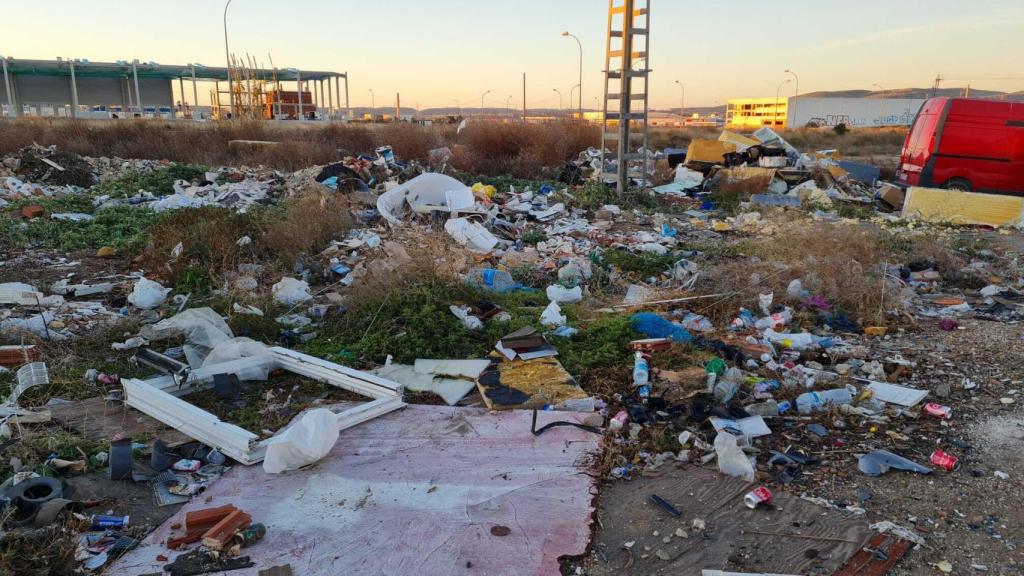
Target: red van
x,y
965,144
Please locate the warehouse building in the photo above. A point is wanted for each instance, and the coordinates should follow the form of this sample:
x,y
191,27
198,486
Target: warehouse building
x,y
753,113
84,89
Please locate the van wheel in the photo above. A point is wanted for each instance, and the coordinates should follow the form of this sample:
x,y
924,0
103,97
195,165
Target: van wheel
x,y
958,184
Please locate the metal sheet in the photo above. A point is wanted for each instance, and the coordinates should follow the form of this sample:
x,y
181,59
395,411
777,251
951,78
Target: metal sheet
x,y
415,492
935,205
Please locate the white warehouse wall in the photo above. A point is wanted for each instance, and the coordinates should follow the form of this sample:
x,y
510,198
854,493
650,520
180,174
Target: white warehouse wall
x,y
854,112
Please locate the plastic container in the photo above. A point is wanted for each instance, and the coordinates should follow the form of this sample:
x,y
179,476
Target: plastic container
x,y
727,386
819,401
491,280
767,409
641,370
697,323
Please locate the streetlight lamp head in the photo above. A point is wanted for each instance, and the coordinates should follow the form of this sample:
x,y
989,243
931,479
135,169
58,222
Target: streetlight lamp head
x,y
566,33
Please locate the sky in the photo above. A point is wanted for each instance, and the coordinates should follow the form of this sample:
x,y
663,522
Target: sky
x,y
438,52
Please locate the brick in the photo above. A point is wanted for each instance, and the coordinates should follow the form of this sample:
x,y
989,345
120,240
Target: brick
x,y
218,537
32,211
207,518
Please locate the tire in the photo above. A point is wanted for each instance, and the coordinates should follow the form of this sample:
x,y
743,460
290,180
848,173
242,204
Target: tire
x,y
960,184
31,493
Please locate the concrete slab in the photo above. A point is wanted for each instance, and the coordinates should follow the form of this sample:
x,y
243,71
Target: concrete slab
x,y
428,490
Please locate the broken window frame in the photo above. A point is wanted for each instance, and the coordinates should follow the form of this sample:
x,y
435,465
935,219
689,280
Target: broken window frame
x,y
159,398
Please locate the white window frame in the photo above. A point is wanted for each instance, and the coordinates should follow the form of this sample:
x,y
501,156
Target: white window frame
x,y
160,398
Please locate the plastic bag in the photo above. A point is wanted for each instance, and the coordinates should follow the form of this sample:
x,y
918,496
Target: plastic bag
x,y
291,291
303,442
552,316
654,326
148,294
731,459
203,329
564,295
237,348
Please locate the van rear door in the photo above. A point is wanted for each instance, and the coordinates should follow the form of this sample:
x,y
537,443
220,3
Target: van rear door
x,y
920,141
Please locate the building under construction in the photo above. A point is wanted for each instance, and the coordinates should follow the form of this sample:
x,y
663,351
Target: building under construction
x,y
77,88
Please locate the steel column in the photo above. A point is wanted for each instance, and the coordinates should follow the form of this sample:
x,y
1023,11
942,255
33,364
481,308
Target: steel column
x,y
138,95
12,109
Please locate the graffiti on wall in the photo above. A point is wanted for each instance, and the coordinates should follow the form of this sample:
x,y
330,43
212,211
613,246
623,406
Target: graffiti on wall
x,y
854,113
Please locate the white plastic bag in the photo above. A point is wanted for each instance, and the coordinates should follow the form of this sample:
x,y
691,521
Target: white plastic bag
x,y
238,348
563,295
291,291
552,316
148,294
731,459
303,442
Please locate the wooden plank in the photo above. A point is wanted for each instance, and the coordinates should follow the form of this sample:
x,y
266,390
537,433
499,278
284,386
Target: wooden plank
x,y
100,420
797,537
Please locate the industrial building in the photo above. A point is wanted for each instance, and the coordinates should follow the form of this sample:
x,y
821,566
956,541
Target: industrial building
x,y
800,112
122,89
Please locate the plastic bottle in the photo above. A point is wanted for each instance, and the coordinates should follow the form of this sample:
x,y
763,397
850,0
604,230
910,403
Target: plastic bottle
x,y
641,370
727,385
491,280
777,320
818,401
765,409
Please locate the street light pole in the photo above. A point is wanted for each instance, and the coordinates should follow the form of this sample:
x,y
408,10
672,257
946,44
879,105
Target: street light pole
x,y
881,103
797,93
682,101
559,100
373,107
459,104
482,100
775,113
227,58
508,107
580,46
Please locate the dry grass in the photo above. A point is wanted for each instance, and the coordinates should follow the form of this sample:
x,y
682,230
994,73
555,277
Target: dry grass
x,y
521,150
841,263
310,221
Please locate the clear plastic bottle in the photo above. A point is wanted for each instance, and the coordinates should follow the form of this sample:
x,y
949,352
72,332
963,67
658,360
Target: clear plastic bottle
x,y
491,280
766,409
697,323
641,370
818,401
727,386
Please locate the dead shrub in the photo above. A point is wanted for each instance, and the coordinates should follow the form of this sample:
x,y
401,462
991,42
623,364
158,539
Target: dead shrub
x,y
209,242
521,150
309,222
841,263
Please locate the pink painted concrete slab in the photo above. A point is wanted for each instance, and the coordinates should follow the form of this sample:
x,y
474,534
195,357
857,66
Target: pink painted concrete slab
x,y
415,492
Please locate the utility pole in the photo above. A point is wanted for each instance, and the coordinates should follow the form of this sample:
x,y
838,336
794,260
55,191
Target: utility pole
x,y
524,97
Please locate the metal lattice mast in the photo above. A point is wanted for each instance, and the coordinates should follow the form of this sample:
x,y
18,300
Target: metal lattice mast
x,y
626,84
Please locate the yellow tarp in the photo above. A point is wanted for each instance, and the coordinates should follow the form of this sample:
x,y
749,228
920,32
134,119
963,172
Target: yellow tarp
x,y
709,151
935,205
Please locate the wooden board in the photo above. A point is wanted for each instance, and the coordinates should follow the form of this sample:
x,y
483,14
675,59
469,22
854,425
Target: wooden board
x,y
98,420
797,538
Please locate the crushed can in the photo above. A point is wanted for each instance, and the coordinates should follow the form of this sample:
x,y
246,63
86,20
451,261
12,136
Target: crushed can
x,y
757,497
938,411
947,462
104,522
251,535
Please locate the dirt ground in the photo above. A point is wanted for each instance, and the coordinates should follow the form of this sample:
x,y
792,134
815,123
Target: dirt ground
x,y
969,518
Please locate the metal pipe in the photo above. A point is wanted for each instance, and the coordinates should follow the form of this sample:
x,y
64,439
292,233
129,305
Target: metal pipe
x,y
6,82
298,94
348,108
138,95
195,93
74,90
227,58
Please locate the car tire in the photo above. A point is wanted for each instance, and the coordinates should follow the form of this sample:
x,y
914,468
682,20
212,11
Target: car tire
x,y
959,184
30,494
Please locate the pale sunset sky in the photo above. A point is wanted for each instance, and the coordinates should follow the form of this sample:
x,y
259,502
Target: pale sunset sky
x,y
437,52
